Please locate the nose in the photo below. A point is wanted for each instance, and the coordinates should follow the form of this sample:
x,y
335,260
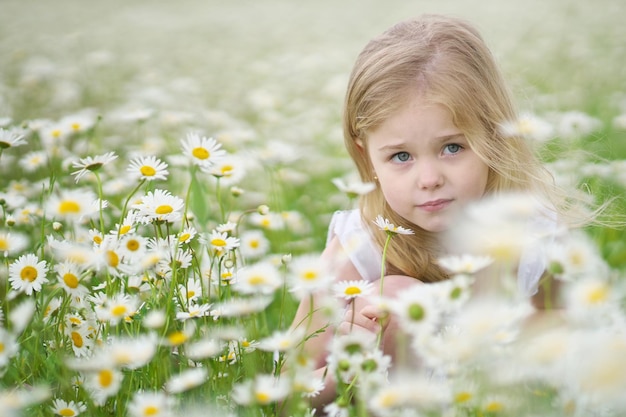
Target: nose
x,y
429,175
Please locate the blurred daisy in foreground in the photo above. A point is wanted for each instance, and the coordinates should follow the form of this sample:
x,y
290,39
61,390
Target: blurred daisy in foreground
x,y
67,408
10,347
150,404
307,274
464,264
159,205
92,164
263,390
353,189
528,126
260,278
103,383
28,274
34,160
12,243
238,307
202,151
282,341
186,380
148,168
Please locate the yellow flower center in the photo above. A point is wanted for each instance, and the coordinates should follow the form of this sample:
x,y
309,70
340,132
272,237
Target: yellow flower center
x,y
56,133
184,237
119,310
494,406
105,378
310,275
254,244
462,397
77,339
70,280
201,153
1,347
256,280
218,242
4,244
67,207
598,294
112,259
352,290
190,293
177,338
262,397
151,410
28,273
75,126
97,239
389,399
75,321
227,169
67,412
164,209
132,245
147,171
124,229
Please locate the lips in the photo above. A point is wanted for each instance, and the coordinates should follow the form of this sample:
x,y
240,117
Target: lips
x,y
435,205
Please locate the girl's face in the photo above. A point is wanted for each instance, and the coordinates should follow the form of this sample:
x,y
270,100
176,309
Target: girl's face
x,y
425,166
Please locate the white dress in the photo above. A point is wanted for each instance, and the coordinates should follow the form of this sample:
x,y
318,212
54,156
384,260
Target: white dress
x,y
347,226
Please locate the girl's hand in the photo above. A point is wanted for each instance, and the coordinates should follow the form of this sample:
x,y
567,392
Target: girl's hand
x,y
363,316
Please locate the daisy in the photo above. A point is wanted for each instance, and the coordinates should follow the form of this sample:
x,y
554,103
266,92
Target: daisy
x,y
254,244
263,390
416,309
103,383
193,310
132,247
128,225
260,278
161,206
68,409
20,315
282,341
308,275
187,235
34,160
150,404
117,308
130,352
269,220
204,348
384,225
11,138
230,170
92,164
465,264
73,205
352,289
590,299
202,151
69,275
186,380
355,188
220,242
238,307
528,126
148,168
12,243
191,291
8,347
81,343
28,274
53,306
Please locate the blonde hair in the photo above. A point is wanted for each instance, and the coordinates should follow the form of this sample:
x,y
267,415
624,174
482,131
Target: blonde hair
x,y
446,60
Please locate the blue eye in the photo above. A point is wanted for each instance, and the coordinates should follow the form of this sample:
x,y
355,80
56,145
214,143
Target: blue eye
x,y
452,148
401,157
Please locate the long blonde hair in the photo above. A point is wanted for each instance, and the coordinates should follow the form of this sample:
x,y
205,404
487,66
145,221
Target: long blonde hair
x,y
448,59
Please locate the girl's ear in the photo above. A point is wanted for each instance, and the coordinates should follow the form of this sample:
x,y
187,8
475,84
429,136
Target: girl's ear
x,y
359,143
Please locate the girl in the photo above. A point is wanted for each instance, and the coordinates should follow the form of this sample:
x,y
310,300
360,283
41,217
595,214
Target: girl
x,y
423,119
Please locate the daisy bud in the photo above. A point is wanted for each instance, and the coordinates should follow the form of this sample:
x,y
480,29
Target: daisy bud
x,y
285,259
57,226
236,191
229,264
190,216
263,209
10,220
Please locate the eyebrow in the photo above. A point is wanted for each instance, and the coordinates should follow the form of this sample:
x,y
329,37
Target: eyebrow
x,y
438,139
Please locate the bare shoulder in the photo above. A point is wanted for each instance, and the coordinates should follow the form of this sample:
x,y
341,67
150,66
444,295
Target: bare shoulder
x,y
338,261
